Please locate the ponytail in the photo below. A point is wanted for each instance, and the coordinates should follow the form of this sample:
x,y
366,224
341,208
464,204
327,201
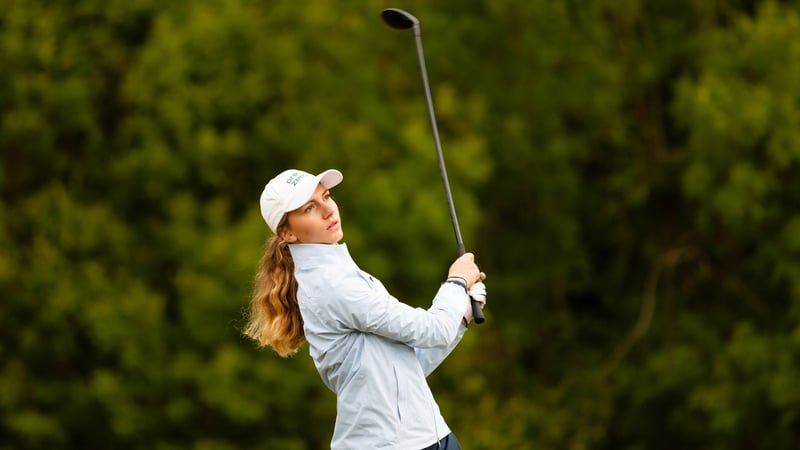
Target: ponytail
x,y
274,318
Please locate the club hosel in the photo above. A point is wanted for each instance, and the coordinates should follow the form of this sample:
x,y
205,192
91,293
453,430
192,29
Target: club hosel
x,y
417,30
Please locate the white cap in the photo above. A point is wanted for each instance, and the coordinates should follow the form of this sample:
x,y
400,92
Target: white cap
x,y
290,190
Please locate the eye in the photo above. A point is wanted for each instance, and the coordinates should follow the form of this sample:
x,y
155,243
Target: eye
x,y
308,208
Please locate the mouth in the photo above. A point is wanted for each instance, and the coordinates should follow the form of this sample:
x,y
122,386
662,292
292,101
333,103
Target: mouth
x,y
333,225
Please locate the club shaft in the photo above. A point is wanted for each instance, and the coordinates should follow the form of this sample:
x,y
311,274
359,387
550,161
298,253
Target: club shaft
x,y
477,311
442,168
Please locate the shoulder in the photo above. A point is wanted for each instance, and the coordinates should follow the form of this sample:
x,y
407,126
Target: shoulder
x,y
332,281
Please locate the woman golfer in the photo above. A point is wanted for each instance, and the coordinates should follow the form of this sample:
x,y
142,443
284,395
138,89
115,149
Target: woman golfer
x,y
370,349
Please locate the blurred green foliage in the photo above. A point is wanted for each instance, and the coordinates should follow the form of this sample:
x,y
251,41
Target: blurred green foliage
x,y
624,172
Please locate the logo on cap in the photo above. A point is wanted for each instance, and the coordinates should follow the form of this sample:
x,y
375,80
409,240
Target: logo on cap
x,y
295,178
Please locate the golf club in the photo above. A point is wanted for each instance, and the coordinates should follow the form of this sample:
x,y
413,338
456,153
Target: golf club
x,y
403,20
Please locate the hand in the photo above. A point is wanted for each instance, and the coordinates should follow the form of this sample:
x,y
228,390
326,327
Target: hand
x,y
478,293
465,269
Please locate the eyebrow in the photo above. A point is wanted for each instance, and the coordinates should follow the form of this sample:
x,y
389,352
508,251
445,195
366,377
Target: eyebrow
x,y
326,191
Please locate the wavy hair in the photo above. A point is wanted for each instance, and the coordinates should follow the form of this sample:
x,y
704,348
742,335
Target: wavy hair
x,y
274,319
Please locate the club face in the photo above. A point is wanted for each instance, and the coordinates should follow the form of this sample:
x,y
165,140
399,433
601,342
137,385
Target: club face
x,y
397,18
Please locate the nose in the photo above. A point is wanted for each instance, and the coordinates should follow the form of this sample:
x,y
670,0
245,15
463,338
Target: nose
x,y
327,211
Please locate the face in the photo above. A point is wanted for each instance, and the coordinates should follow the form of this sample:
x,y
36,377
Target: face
x,y
316,222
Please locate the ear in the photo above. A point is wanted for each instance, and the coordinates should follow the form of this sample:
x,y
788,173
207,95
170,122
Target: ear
x,y
288,236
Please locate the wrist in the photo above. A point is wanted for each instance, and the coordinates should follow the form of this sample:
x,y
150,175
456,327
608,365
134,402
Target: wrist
x,y
459,278
459,281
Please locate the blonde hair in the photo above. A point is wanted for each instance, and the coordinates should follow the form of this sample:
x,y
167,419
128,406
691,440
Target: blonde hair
x,y
274,318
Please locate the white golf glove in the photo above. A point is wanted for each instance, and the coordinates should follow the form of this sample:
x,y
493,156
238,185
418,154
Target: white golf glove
x,y
478,293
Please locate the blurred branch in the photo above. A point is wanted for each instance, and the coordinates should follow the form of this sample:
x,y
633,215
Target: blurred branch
x,y
669,261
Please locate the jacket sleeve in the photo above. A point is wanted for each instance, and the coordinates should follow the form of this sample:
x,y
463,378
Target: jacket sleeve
x,y
430,358
364,305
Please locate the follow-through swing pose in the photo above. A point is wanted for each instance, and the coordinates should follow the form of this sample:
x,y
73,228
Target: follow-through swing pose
x,y
370,349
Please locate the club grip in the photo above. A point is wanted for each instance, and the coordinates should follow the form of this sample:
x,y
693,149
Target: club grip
x,y
477,312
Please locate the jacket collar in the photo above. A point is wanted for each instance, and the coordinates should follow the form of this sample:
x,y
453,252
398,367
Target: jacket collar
x,y
312,255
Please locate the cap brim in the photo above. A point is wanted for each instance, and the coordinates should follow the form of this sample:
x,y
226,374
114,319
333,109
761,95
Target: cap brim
x,y
330,178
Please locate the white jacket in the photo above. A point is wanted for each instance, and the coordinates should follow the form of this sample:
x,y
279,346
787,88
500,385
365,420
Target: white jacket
x,y
374,351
